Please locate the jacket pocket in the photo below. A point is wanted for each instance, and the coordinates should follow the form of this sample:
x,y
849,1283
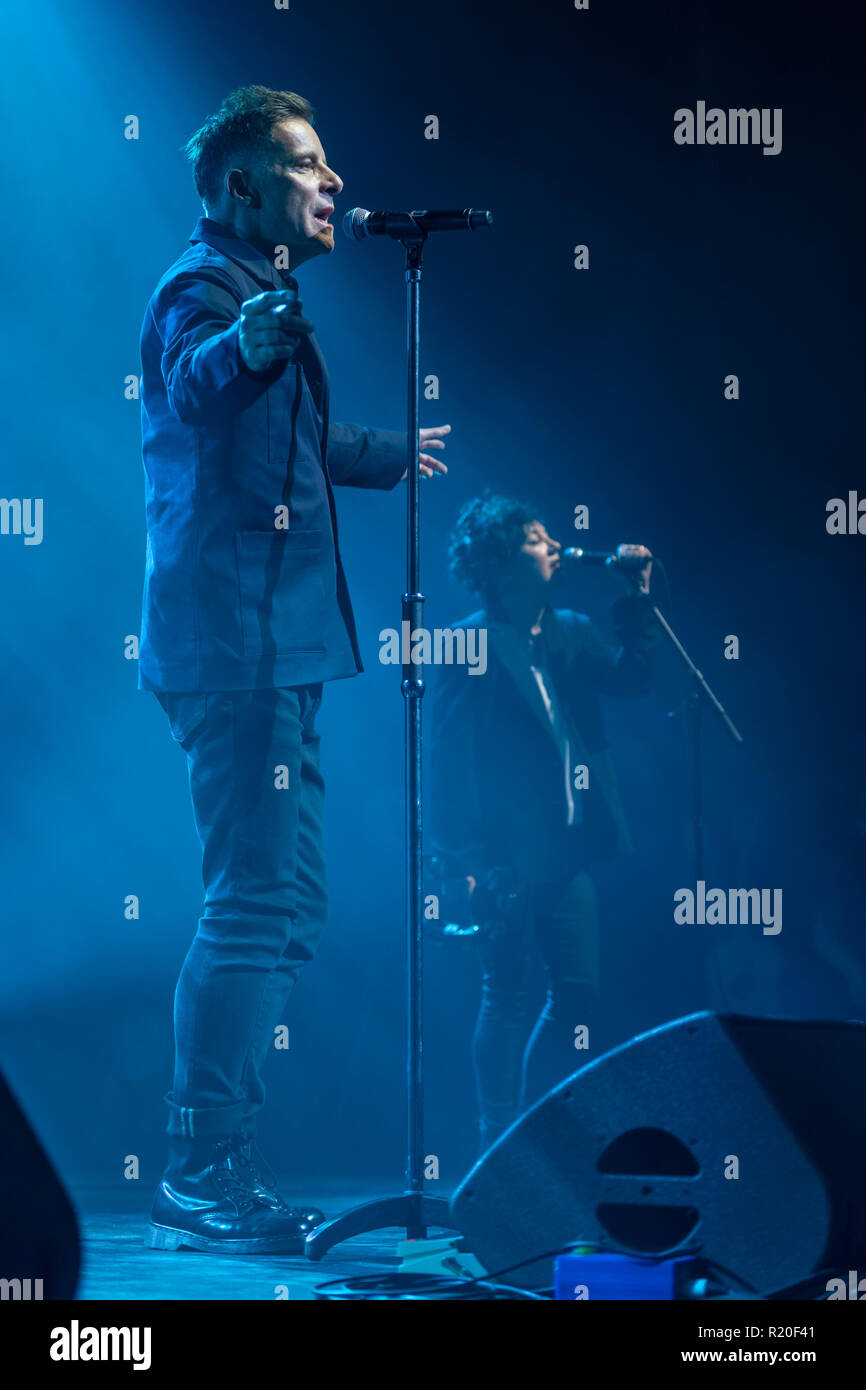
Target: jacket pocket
x,y
281,578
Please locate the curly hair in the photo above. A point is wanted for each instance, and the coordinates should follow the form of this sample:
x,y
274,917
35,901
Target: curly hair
x,y
240,129
487,536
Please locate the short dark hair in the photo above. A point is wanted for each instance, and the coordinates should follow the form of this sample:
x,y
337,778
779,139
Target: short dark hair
x,y
240,129
486,538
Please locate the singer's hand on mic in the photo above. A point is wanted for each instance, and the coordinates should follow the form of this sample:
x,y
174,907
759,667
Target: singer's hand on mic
x,y
638,552
430,438
271,328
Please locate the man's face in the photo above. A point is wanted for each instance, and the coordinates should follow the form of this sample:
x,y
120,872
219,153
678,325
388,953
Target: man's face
x,y
541,552
298,193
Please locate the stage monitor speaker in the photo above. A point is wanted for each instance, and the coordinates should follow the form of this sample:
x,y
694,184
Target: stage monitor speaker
x,y
39,1246
743,1137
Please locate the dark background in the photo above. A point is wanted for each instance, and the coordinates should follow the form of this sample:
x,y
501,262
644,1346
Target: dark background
x,y
602,387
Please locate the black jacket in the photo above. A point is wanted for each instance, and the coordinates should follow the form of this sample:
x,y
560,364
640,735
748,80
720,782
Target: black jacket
x,y
497,794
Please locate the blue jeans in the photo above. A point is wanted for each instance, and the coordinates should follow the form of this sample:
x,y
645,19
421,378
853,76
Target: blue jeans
x,y
518,1056
258,801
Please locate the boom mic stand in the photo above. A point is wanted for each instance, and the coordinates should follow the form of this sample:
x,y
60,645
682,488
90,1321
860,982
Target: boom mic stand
x,y
413,1209
700,697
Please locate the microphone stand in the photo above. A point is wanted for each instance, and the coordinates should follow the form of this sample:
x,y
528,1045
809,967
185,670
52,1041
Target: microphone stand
x,y
700,697
413,1209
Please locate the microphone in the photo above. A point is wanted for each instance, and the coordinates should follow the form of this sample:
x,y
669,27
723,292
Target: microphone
x,y
358,223
575,556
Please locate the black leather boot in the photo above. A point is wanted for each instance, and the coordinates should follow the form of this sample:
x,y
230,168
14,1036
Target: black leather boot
x,y
213,1198
263,1181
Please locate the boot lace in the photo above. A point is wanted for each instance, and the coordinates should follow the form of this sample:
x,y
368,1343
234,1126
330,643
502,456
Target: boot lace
x,y
238,1177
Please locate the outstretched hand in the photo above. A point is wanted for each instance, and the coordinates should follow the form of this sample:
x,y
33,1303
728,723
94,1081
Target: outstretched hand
x,y
271,328
430,438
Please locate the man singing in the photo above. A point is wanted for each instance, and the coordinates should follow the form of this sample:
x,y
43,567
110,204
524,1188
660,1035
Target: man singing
x,y
524,795
246,614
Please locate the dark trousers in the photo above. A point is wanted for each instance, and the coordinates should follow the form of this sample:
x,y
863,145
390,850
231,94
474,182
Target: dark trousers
x,y
258,801
517,1055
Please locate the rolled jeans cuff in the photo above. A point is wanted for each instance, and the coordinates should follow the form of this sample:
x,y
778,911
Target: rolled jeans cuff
x,y
211,1122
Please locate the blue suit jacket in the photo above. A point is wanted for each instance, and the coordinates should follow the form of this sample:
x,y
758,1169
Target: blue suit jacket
x,y
231,602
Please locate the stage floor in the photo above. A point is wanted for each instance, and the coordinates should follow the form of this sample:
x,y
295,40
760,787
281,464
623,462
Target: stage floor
x,y
116,1264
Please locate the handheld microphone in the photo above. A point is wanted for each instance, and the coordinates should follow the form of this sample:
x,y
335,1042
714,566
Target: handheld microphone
x,y
358,223
574,556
